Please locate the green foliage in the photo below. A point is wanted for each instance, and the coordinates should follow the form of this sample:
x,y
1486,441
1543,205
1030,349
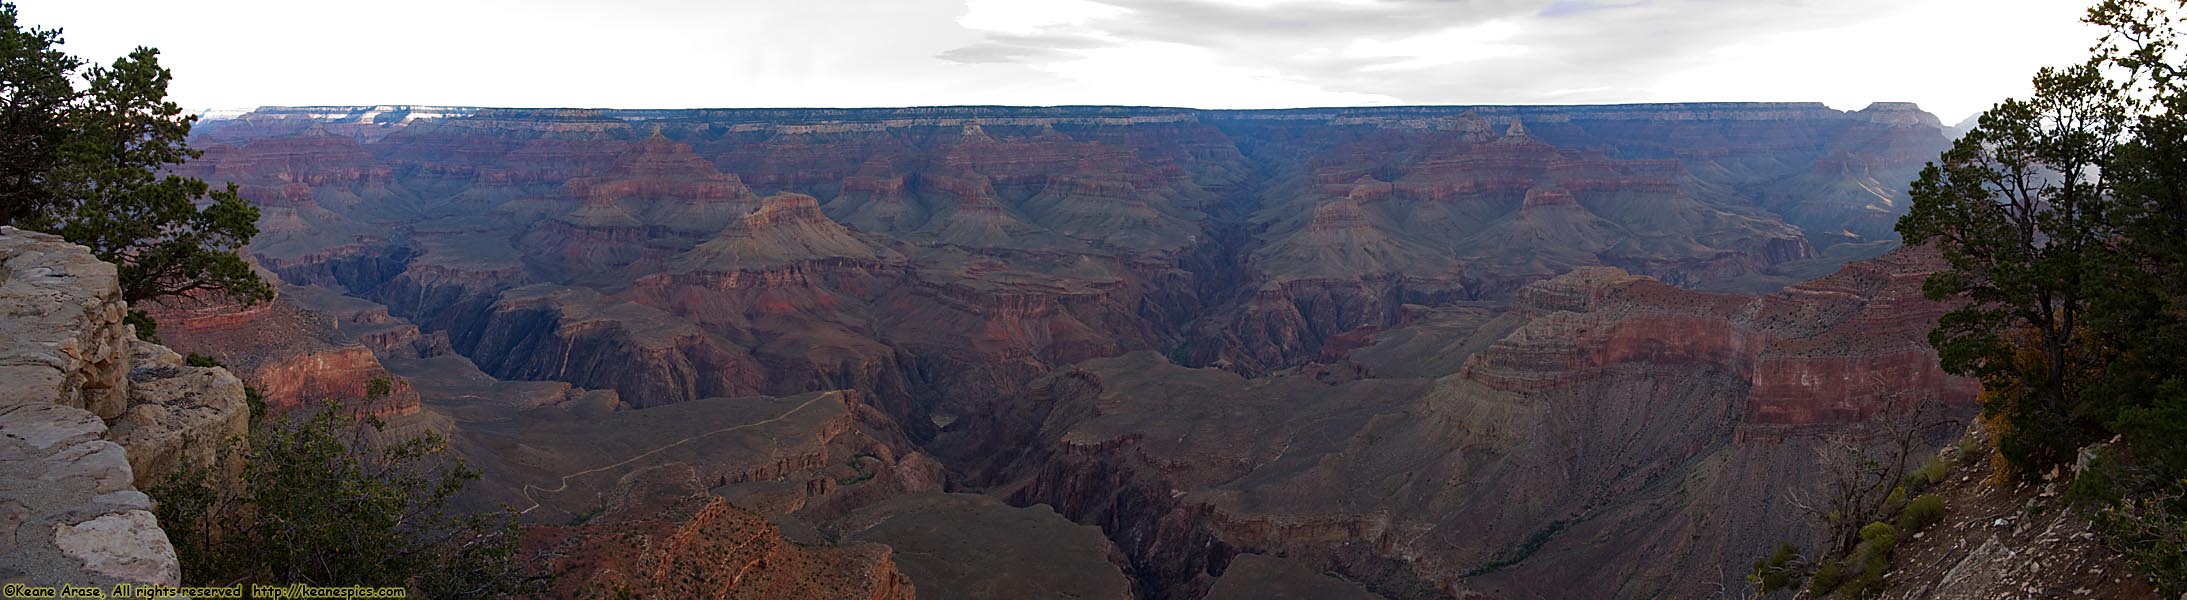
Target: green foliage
x,y
1181,355
1780,571
860,474
94,165
1827,578
587,516
200,360
37,77
2064,220
318,503
1879,531
2151,531
1859,574
1928,474
188,501
1921,512
256,402
1971,450
2140,516
2020,244
147,330
1862,571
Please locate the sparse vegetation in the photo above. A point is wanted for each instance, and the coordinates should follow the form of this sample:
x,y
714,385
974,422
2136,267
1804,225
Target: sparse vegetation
x,y
318,502
860,474
1181,355
1859,572
1827,577
1920,513
1865,479
1783,570
587,516
1527,548
2150,531
1930,474
1970,451
1869,561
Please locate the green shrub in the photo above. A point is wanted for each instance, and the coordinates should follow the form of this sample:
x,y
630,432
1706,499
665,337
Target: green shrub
x,y
2152,534
1923,511
1781,571
1827,578
200,360
1971,450
1879,532
859,472
1929,474
1870,559
317,504
2138,513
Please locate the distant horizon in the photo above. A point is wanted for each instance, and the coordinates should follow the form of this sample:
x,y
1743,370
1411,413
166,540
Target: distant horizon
x,y
240,110
1944,55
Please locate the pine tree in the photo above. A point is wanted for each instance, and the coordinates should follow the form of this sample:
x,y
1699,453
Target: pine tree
x,y
34,80
94,165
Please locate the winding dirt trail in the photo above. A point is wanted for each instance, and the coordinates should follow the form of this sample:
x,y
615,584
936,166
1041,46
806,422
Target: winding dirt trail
x,y
564,483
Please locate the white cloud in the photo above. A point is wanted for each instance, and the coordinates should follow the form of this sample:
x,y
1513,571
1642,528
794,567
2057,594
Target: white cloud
x,y
1470,43
1943,56
1031,16
1170,74
1953,56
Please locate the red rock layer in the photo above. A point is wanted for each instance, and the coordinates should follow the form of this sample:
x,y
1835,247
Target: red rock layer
x,y
1837,349
292,356
679,542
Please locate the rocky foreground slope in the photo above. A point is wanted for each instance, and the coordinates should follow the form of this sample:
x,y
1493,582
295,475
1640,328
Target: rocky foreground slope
x,y
1409,352
89,416
2018,539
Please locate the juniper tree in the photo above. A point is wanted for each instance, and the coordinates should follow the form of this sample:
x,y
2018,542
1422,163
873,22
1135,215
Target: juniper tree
x,y
95,165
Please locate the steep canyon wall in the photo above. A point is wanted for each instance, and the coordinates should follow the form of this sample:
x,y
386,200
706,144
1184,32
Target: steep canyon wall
x,y
1472,333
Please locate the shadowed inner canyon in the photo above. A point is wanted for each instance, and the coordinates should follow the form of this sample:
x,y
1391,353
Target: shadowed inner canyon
x,y
988,352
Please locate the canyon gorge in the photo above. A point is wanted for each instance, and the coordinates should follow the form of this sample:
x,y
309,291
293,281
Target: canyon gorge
x,y
994,352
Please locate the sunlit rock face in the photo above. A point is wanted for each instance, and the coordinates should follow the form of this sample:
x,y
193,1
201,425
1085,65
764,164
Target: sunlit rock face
x,y
1433,351
294,357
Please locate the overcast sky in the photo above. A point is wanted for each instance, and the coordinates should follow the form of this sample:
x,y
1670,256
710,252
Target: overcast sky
x,y
1954,57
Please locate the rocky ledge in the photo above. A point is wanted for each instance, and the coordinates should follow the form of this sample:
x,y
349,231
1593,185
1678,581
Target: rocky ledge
x,y
88,415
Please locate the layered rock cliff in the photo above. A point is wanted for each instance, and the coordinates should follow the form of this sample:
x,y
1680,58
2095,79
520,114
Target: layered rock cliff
x,y
956,252
1468,335
1613,421
89,415
293,356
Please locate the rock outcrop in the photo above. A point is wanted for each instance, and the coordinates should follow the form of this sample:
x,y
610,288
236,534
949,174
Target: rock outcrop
x,y
295,357
664,537
89,415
